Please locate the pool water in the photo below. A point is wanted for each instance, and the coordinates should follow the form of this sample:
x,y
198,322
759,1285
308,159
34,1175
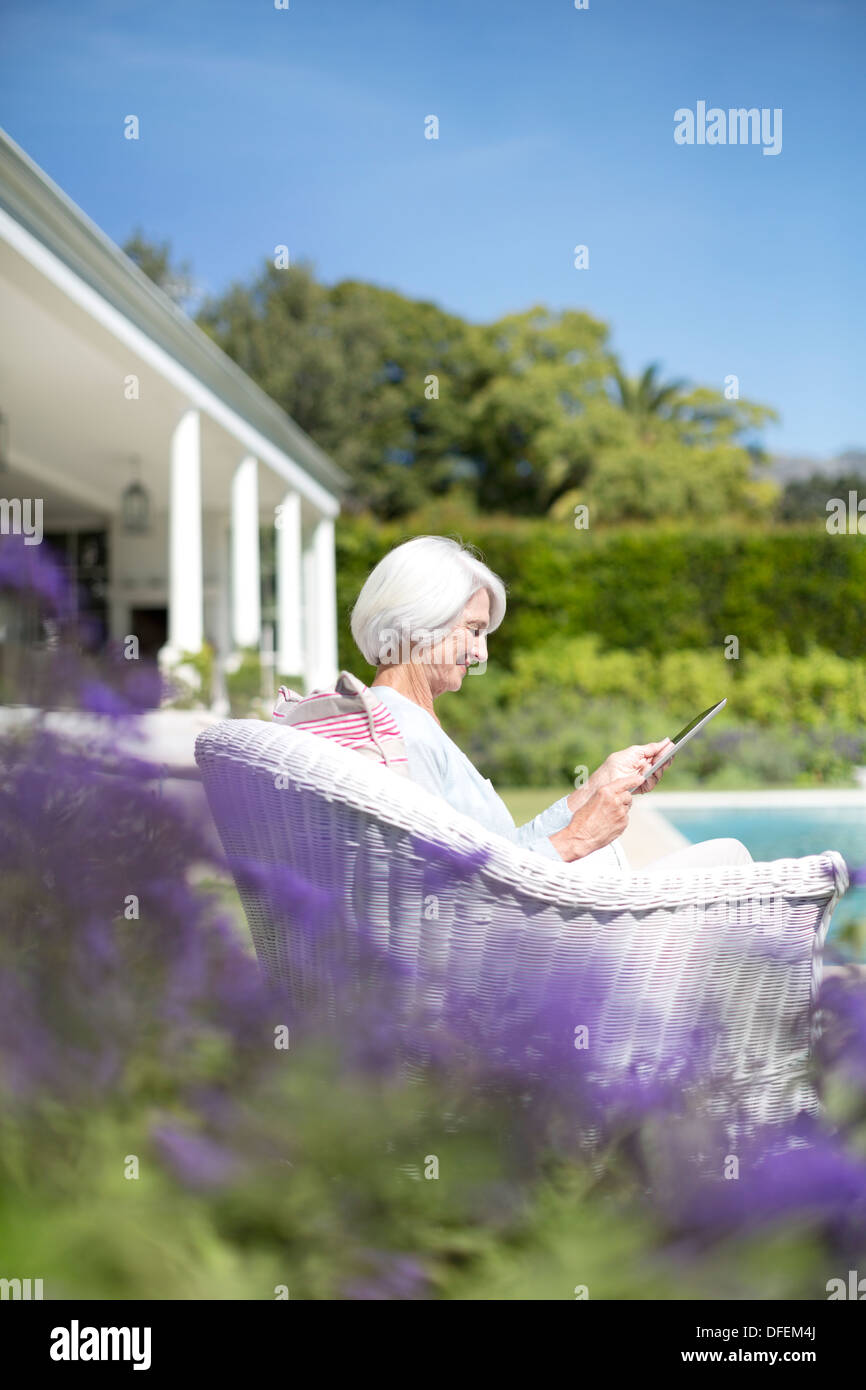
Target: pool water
x,y
784,833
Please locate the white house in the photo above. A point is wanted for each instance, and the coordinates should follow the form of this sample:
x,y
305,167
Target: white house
x,y
120,414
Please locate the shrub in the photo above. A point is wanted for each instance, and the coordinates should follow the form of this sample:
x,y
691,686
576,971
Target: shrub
x,y
652,588
789,719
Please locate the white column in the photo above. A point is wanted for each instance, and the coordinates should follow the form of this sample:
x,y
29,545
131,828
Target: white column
x,y
320,594
223,618
246,561
290,642
185,611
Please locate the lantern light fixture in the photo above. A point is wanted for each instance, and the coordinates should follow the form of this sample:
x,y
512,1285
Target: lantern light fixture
x,y
135,505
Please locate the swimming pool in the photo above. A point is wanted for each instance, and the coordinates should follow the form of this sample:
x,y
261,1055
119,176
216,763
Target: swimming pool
x,y
779,826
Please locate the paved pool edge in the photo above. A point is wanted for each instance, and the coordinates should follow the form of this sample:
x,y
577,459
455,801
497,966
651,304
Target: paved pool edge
x,y
778,797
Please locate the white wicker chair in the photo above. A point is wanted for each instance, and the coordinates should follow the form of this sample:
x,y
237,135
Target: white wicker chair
x,y
736,949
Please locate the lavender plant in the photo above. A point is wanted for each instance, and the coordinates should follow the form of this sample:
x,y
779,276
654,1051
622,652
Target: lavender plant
x,y
171,1125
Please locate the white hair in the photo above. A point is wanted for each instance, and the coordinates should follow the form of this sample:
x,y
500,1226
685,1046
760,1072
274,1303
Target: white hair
x,y
419,587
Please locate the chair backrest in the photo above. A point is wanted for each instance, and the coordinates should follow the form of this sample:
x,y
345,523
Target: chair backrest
x,y
725,958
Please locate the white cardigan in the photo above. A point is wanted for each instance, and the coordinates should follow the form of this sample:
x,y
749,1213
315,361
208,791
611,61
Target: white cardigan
x,y
436,763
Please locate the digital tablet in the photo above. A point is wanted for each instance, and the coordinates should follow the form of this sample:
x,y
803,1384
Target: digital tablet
x,y
683,737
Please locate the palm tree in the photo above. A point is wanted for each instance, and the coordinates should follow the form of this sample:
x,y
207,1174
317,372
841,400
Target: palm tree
x,y
647,399
650,402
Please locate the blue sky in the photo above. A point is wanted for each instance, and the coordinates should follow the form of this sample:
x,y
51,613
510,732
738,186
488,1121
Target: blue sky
x,y
306,127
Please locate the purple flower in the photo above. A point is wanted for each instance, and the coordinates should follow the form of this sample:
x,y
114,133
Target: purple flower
x,y
99,698
445,864
391,1276
801,1173
35,573
197,1161
843,1038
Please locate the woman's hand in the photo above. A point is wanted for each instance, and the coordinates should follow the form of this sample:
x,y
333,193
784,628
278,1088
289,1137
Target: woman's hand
x,y
601,818
633,762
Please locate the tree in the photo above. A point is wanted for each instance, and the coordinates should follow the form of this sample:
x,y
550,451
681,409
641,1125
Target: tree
x,y
805,499
155,260
541,409
379,381
645,399
527,414
676,450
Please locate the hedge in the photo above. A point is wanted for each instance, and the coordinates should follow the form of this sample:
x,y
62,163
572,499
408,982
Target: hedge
x,y
660,589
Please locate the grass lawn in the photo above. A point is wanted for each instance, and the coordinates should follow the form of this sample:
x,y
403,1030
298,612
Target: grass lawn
x,y
526,802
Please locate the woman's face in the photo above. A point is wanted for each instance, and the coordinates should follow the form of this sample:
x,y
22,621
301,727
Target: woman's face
x,y
464,645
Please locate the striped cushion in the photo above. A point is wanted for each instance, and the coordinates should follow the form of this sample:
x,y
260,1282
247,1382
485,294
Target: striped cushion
x,y
352,715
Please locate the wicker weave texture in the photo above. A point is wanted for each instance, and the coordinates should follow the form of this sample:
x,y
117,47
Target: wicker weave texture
x,y
725,958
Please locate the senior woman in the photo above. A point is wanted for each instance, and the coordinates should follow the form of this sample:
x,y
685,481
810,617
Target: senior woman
x,y
422,618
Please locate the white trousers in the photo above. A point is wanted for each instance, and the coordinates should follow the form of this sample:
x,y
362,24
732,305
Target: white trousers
x,y
707,854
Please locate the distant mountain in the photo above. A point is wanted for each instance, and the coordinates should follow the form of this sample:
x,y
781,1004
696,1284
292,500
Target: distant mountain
x,y
786,468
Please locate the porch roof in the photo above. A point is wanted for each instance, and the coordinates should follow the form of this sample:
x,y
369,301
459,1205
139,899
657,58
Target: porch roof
x,y
34,203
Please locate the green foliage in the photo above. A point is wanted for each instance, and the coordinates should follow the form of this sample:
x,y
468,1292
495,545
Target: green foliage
x,y
154,1143
330,1202
351,365
769,689
639,481
244,683
569,703
543,409
613,637
579,1241
805,499
192,678
541,739
154,259
851,937
414,402
529,415
658,589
